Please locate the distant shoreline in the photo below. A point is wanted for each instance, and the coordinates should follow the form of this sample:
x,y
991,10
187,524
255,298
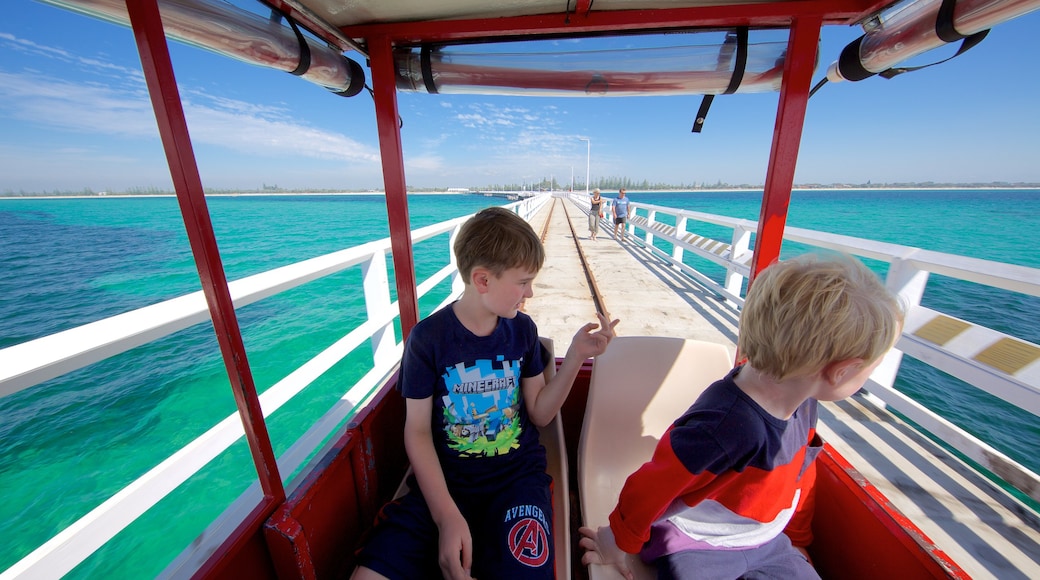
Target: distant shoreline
x,y
580,192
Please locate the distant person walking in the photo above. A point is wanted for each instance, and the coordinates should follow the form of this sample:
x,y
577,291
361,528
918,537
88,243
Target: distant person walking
x,y
621,211
595,213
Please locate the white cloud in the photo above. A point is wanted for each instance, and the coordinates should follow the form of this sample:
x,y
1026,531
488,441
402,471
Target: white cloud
x,y
94,66
62,104
116,105
424,163
236,125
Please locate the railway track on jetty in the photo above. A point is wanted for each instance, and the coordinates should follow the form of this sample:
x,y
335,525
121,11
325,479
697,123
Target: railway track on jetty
x,y
590,278
581,277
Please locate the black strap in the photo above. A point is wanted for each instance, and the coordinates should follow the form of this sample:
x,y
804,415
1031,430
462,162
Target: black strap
x,y
968,43
357,79
738,41
427,69
702,113
947,32
944,27
741,64
305,50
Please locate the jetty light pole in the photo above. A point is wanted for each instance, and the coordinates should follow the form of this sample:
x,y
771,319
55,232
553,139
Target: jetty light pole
x,y
588,158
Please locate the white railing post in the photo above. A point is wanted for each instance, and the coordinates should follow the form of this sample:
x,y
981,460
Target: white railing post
x,y
376,283
908,283
651,216
741,242
680,233
906,280
458,285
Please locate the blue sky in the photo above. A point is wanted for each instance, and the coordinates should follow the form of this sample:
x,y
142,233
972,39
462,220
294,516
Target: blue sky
x,y
74,114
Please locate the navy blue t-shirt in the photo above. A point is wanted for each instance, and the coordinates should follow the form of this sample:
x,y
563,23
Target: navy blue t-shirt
x,y
480,425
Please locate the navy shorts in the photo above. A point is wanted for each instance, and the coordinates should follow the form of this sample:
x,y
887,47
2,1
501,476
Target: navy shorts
x,y
511,530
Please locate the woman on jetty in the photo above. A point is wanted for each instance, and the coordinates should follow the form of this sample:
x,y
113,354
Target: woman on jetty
x,y
595,213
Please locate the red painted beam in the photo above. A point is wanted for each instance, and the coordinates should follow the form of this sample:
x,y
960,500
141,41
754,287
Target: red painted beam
x,y
787,135
173,129
578,22
384,87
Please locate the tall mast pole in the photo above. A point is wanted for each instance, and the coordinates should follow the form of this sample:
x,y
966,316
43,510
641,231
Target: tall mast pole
x,y
588,160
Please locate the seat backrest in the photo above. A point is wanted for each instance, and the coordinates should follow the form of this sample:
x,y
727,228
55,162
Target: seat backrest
x,y
639,386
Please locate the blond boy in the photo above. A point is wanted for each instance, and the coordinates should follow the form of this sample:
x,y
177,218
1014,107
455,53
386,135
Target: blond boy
x,y
728,492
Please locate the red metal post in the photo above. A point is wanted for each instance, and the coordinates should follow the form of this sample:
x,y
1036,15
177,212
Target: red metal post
x,y
787,134
169,114
384,85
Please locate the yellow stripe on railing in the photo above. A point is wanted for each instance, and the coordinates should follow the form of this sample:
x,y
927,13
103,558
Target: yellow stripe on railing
x,y
941,329
1006,354
1009,355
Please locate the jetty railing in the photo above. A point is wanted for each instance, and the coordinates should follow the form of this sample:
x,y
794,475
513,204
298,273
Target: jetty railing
x,y
31,363
1002,365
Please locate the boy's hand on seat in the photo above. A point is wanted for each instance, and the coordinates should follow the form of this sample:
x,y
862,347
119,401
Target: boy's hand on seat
x,y
588,343
600,548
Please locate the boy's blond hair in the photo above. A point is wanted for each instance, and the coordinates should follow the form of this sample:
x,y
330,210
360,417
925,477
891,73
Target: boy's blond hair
x,y
497,239
807,312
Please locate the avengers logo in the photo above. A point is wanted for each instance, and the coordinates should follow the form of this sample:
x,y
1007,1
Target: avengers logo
x,y
529,543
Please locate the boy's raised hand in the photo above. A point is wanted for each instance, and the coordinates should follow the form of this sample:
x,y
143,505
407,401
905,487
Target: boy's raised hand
x,y
588,343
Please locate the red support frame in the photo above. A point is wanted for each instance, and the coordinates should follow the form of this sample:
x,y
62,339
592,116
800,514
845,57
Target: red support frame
x,y
582,21
173,129
384,87
787,136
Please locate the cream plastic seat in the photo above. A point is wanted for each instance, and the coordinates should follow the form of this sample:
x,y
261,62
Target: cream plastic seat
x,y
557,467
639,386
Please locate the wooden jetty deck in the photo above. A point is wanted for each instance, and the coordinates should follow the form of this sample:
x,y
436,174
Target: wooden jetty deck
x,y
986,531
644,292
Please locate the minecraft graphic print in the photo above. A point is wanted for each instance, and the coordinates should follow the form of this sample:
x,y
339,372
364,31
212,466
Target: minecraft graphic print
x,y
481,408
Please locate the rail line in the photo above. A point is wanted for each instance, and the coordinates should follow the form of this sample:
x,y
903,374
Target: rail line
x,y
548,220
597,296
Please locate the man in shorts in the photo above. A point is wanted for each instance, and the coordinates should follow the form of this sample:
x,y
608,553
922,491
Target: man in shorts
x,y
621,211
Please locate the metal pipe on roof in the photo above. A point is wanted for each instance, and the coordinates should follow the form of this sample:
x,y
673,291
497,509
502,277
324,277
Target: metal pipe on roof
x,y
910,28
245,36
669,70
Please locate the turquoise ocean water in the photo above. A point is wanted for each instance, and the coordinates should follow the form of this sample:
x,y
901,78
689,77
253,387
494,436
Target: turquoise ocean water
x,y
69,444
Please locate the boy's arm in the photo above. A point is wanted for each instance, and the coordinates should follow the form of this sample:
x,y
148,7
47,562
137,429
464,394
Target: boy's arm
x,y
455,550
651,490
543,400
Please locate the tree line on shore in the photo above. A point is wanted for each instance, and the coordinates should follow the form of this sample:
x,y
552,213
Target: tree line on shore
x,y
605,184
